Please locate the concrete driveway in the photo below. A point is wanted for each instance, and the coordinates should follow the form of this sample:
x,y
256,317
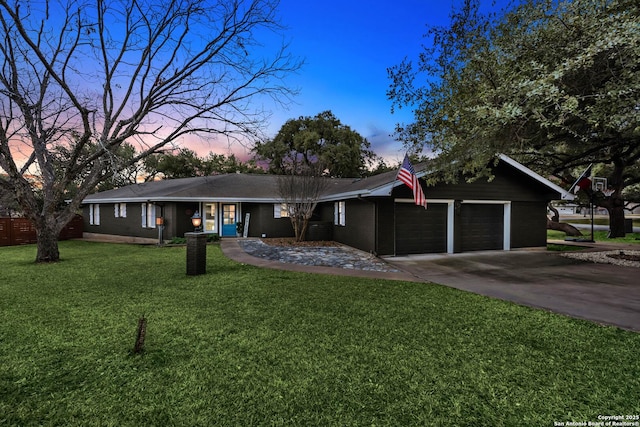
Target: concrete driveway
x,y
603,293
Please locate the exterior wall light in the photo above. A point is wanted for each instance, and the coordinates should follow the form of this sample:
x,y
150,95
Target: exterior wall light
x,y
196,220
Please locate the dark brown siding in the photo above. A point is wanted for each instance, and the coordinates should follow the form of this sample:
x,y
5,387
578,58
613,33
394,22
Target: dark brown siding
x,y
528,224
359,229
481,227
129,226
178,219
420,230
506,185
262,221
385,227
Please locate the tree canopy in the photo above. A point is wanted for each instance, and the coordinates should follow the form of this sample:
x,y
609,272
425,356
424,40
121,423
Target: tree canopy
x,y
556,84
323,138
185,163
91,75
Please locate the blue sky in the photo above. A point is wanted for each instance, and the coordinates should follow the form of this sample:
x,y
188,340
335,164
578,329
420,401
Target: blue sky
x,y
347,47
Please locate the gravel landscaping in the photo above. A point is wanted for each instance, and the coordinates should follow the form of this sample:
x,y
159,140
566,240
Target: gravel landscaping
x,y
624,258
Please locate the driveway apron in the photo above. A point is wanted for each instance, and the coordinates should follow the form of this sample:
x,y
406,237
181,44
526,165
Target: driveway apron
x,y
603,293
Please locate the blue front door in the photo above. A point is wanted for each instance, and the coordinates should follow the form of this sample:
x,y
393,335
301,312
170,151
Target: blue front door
x,y
228,220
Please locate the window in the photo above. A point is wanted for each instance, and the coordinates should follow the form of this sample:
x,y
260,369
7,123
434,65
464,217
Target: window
x,y
228,214
148,214
280,210
94,214
210,217
339,215
120,210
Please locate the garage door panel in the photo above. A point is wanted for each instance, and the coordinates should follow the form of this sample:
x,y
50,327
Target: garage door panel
x,y
419,230
481,227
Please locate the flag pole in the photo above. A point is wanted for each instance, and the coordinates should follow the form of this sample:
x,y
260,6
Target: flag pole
x,y
581,185
591,200
582,175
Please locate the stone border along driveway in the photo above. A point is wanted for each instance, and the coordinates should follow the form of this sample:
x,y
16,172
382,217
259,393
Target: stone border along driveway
x,y
319,256
607,257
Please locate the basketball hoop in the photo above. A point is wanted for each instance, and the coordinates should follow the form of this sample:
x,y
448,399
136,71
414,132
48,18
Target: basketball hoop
x,y
599,184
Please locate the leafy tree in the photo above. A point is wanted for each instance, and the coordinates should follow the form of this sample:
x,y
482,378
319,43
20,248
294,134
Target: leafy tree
x,y
219,163
555,84
632,197
323,139
186,163
91,76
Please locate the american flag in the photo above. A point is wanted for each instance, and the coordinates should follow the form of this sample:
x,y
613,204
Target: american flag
x,y
408,175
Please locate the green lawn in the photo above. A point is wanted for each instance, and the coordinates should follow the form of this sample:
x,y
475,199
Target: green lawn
x,y
598,236
245,346
598,220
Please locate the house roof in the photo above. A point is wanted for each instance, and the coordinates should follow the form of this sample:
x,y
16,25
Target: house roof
x,y
264,188
232,187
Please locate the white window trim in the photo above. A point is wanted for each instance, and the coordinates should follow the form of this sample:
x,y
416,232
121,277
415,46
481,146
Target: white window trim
x,y
280,210
120,210
148,215
94,214
339,213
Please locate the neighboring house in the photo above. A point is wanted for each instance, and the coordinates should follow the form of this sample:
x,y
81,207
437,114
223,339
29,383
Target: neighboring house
x,y
375,214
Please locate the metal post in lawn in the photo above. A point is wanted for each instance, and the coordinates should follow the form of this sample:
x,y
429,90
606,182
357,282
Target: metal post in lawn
x,y
592,208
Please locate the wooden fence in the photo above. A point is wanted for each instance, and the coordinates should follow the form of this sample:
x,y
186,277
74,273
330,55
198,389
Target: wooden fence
x,y
20,231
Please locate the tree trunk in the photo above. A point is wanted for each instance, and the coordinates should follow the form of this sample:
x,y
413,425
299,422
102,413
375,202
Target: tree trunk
x,y
615,202
616,218
554,223
556,215
47,232
568,229
303,229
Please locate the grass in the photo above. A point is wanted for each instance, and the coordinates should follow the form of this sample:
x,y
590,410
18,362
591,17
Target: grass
x,y
598,236
246,346
598,220
563,248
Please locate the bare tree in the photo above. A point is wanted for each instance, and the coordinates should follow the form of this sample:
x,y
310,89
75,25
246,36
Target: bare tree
x,y
91,75
300,190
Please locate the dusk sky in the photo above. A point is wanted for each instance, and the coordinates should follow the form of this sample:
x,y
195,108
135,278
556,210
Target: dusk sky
x,y
347,47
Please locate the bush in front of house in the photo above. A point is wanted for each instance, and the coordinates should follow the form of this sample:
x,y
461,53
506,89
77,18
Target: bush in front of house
x,y
211,238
